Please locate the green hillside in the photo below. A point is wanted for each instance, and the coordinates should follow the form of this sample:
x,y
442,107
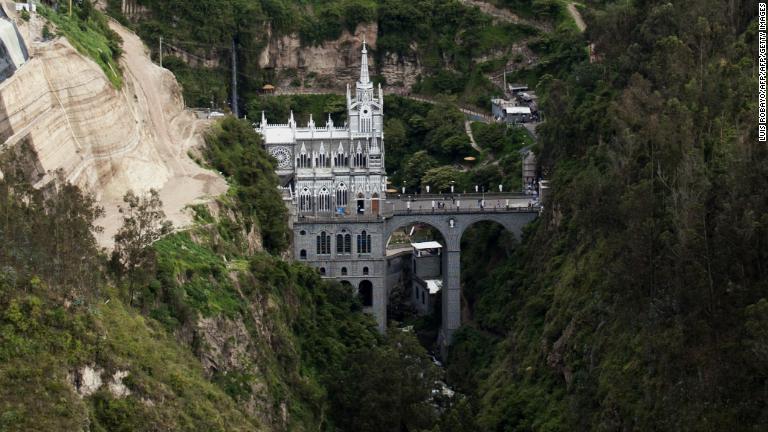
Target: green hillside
x,y
638,302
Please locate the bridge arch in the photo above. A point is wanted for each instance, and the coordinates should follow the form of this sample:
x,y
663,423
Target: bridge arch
x,y
513,225
452,226
398,222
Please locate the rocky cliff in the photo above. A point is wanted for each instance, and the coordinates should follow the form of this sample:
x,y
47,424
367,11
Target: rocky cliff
x,y
107,141
335,62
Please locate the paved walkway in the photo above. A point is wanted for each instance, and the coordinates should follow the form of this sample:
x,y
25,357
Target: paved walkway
x,y
456,202
468,128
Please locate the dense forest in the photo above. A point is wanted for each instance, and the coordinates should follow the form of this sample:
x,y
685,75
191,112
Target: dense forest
x,y
638,300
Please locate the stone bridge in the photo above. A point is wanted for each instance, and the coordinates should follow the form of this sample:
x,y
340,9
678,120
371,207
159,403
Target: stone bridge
x,y
451,226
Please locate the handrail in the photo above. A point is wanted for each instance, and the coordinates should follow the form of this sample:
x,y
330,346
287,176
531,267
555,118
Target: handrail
x,y
458,195
332,218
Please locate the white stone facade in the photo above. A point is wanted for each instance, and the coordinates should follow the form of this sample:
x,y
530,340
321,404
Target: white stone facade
x,y
334,169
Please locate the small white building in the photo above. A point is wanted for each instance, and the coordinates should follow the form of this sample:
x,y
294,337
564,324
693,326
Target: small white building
x,y
29,7
424,294
498,106
517,114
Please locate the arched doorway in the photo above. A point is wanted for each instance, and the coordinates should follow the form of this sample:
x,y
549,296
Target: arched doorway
x,y
375,204
365,291
360,203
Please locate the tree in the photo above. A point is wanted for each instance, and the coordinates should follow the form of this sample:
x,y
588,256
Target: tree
x,y
385,388
143,223
456,146
441,178
490,137
416,166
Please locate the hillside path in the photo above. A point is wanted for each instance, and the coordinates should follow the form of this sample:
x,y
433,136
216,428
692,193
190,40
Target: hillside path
x,y
577,17
468,128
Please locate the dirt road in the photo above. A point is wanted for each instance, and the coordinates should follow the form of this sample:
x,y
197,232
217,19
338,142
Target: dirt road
x,y
169,130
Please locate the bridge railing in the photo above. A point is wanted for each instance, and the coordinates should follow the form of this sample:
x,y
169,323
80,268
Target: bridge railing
x,y
384,215
460,196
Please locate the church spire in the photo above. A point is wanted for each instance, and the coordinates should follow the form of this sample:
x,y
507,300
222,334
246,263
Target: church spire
x,y
364,78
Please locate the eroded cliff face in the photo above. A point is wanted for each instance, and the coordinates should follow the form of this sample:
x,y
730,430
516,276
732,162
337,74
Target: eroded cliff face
x,y
334,63
105,140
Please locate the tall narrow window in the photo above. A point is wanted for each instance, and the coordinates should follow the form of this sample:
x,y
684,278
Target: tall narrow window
x,y
348,243
341,195
323,243
339,244
305,200
364,242
360,158
324,200
304,160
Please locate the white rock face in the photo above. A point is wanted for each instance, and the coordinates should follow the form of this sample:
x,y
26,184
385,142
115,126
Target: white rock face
x,y
105,140
116,386
86,380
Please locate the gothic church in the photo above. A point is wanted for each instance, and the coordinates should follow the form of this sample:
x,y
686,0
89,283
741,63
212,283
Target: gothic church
x,y
334,170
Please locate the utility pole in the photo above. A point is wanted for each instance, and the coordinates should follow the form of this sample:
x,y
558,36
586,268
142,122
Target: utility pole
x,y
161,51
235,109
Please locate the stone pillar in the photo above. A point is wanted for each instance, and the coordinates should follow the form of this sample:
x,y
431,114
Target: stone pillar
x,y
451,293
380,302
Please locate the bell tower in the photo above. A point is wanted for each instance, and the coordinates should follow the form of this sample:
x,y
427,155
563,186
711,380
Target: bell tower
x,y
366,109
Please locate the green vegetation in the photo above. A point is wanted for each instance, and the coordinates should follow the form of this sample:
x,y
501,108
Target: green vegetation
x,y
457,46
88,31
278,109
60,315
236,150
218,335
635,302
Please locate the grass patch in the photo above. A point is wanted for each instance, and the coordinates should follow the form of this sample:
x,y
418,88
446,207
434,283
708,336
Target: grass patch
x,y
89,32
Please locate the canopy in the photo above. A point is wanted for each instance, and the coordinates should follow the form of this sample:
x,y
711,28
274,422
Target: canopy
x,y
427,245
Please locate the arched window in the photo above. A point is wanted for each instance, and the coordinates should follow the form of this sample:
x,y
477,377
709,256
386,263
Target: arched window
x,y
364,242
322,271
305,200
339,244
341,159
302,232
322,161
343,271
304,160
323,244
303,254
324,200
365,271
348,243
360,156
341,195
365,291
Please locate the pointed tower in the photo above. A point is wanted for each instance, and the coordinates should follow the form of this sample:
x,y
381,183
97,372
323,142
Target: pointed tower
x,y
364,87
